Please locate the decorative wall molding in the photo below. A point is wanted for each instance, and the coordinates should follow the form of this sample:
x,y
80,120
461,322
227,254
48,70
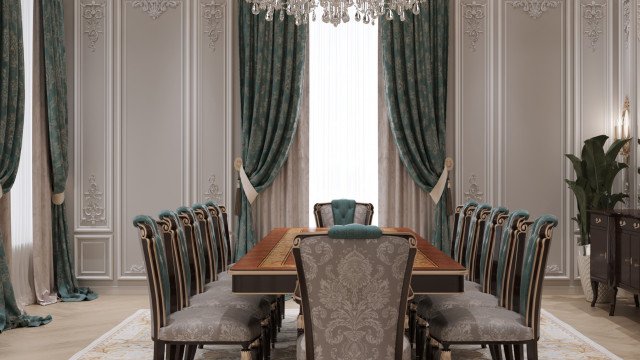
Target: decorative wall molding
x,y
638,21
474,192
474,15
551,269
93,15
213,15
155,8
136,269
535,8
593,13
93,209
213,192
626,21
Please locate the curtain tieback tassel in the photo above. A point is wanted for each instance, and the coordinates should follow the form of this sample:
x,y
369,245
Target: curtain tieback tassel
x,y
58,198
437,190
248,188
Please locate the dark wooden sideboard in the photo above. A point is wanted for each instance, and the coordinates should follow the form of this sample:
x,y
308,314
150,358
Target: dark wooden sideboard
x,y
615,252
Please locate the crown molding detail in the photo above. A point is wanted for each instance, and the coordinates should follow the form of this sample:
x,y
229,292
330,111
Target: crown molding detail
x,y
474,15
155,8
93,209
593,13
626,21
474,192
213,193
93,15
535,8
213,15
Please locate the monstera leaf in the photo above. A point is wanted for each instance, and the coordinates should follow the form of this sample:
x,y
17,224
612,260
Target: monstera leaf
x,y
596,172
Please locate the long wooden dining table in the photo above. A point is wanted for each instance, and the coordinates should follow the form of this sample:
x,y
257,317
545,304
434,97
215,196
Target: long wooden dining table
x,y
269,267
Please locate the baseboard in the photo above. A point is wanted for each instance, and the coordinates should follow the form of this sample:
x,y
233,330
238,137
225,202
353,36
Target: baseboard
x,y
121,290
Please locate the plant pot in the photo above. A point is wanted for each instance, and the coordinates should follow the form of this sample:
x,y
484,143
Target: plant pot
x,y
605,293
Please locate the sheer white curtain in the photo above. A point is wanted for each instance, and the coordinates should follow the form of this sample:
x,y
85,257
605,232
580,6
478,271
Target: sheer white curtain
x,y
21,193
343,113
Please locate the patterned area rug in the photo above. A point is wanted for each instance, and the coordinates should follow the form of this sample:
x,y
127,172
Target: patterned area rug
x,y
131,340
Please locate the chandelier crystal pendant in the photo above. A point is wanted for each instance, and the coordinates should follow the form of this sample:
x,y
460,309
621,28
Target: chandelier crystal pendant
x,y
335,11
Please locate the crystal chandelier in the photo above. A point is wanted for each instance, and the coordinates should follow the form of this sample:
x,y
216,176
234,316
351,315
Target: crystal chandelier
x,y
335,11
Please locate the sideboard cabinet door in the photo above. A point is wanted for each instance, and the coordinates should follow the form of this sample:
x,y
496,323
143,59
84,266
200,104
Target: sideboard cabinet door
x,y
599,232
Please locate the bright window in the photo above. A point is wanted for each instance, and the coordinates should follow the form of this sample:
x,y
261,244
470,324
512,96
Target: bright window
x,y
343,113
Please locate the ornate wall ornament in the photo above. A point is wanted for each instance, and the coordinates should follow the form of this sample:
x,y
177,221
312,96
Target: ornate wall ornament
x,y
213,13
93,210
213,193
474,192
535,8
552,269
155,8
474,14
626,21
136,269
593,13
93,15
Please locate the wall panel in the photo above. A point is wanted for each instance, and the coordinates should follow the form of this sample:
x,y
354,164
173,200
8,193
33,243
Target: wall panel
x,y
152,121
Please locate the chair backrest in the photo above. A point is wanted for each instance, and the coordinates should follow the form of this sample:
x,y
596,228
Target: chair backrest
x,y
354,294
533,267
516,226
208,232
492,227
155,260
227,233
342,212
476,229
173,232
461,229
215,213
196,248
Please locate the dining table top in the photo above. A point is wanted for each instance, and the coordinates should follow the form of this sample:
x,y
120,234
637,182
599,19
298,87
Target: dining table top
x,y
273,254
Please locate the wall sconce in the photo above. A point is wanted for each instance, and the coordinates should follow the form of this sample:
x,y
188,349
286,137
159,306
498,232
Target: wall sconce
x,y
621,130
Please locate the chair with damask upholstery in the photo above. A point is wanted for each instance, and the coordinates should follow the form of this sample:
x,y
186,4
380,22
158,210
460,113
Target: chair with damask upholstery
x,y
354,282
342,212
517,324
177,328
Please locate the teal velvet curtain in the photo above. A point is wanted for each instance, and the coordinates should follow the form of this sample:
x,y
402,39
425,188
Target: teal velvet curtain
x,y
414,54
56,99
11,124
272,60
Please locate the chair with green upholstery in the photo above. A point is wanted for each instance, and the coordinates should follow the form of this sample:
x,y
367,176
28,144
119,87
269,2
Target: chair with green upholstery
x,y
342,212
354,283
177,332
501,326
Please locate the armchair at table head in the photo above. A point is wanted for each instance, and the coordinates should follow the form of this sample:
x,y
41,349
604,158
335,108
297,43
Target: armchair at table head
x,y
342,212
349,274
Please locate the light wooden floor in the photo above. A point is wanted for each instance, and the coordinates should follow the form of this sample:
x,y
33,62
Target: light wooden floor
x,y
76,325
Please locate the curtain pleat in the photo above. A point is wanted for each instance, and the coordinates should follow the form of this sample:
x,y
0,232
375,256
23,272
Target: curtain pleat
x,y
272,62
56,99
286,202
415,60
11,124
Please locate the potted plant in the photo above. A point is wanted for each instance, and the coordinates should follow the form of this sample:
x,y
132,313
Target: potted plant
x,y
595,172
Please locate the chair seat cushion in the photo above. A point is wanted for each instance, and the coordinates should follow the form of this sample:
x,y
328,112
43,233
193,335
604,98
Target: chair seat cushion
x,y
479,325
301,348
432,304
220,295
205,325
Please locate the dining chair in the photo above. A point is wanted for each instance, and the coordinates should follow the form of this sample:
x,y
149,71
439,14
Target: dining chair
x,y
501,326
354,283
472,250
512,234
178,332
342,212
216,294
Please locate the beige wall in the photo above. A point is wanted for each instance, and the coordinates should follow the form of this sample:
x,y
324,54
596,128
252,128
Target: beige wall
x,y
154,109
